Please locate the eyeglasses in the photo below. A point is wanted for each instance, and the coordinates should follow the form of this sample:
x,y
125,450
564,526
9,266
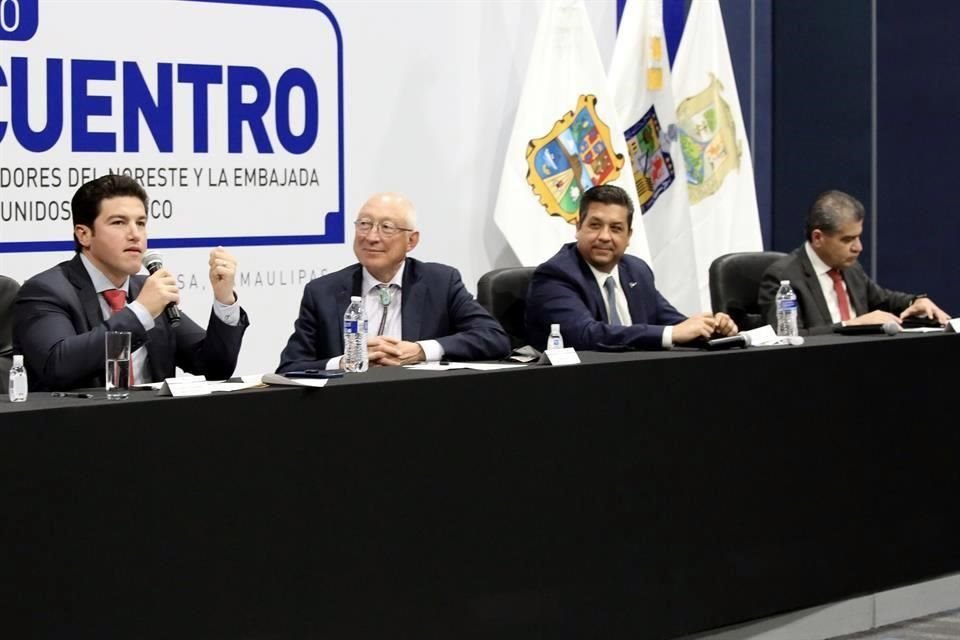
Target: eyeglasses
x,y
386,228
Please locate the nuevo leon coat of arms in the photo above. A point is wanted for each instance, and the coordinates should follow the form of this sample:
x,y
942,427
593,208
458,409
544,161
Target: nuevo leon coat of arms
x,y
708,140
577,154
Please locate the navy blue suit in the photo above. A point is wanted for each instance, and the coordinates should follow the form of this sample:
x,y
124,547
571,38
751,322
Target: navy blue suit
x,y
59,329
435,306
564,291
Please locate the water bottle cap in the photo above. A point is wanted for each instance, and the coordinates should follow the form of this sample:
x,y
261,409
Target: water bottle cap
x,y
555,328
18,361
355,298
783,282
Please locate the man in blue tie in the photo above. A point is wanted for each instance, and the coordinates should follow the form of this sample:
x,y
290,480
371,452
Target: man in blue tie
x,y
417,311
604,299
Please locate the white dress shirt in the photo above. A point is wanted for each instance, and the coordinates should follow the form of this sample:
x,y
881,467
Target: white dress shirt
x,y
229,314
374,309
826,285
623,309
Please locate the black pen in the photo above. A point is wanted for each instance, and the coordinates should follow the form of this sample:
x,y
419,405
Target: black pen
x,y
64,394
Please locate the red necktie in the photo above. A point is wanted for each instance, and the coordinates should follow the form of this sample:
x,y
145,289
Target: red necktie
x,y
837,278
117,299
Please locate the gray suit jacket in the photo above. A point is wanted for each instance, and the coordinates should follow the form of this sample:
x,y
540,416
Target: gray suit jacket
x,y
59,329
814,317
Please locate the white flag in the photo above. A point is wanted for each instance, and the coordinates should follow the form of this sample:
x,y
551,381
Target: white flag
x,y
723,198
640,75
566,138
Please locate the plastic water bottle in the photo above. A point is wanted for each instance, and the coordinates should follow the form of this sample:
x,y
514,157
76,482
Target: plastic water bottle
x,y
786,310
355,336
555,341
18,380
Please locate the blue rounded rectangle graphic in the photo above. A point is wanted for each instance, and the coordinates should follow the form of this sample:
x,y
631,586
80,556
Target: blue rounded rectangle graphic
x,y
18,19
141,119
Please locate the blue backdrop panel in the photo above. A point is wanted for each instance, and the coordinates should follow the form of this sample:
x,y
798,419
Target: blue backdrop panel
x,y
821,110
918,138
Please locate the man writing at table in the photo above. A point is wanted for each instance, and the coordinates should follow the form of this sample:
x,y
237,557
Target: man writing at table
x,y
604,299
832,288
62,314
417,311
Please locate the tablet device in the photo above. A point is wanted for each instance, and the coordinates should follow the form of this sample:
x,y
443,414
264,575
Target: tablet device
x,y
917,322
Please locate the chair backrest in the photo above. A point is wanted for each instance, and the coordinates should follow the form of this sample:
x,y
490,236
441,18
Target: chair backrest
x,y
735,283
503,292
8,291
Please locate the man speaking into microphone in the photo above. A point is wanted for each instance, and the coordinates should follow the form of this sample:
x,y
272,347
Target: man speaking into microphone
x,y
62,314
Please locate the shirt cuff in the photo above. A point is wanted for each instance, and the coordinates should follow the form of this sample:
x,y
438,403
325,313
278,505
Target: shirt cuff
x,y
229,314
667,339
432,350
142,315
333,363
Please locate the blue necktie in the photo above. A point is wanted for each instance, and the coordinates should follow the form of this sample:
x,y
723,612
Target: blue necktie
x,y
612,314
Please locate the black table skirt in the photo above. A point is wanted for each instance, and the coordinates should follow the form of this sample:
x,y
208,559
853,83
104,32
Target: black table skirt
x,y
638,495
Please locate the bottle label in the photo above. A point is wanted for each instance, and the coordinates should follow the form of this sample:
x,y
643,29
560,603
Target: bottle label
x,y
350,326
787,305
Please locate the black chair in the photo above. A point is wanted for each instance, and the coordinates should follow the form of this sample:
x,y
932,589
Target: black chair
x,y
8,291
735,283
503,292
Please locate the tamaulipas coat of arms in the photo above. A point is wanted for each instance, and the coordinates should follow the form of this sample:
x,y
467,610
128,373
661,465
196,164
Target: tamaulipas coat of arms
x,y
577,154
708,140
652,165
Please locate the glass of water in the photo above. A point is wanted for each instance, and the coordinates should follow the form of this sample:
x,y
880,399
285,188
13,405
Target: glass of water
x,y
118,364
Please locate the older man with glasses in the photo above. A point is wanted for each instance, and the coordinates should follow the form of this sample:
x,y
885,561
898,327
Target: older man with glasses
x,y
417,311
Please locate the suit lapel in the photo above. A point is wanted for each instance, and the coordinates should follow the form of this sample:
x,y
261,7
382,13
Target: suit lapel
x,y
855,291
349,286
77,275
631,292
813,284
413,299
589,284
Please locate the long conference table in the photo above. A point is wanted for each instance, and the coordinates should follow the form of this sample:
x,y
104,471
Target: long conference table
x,y
637,495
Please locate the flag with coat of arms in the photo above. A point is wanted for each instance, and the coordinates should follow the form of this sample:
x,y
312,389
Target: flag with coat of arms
x,y
641,80
713,141
566,138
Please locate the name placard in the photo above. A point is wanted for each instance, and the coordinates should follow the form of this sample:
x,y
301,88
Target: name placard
x,y
561,357
185,386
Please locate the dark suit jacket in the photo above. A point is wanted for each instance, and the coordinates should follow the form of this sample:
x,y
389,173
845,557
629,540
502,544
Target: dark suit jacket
x,y
59,329
435,306
563,291
814,316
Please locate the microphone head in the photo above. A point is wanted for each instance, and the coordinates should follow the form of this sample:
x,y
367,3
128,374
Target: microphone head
x,y
891,328
747,340
152,257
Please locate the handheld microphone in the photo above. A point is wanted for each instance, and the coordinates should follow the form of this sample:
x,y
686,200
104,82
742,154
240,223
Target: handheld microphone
x,y
742,340
891,328
153,262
